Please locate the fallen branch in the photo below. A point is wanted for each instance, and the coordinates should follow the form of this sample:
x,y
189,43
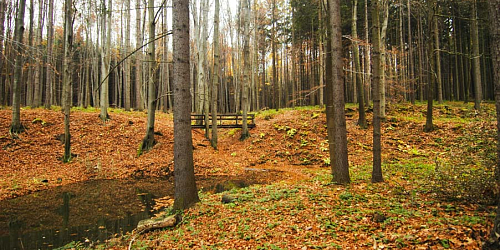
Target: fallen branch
x,y
145,226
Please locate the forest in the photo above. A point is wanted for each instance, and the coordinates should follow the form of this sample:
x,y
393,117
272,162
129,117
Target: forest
x,y
261,124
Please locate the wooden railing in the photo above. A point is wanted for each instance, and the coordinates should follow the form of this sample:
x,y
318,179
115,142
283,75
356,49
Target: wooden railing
x,y
223,121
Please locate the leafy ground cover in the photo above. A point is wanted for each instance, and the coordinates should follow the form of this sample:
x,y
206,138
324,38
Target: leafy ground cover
x,y
437,192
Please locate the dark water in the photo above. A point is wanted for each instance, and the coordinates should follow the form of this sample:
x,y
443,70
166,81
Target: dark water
x,y
94,211
91,211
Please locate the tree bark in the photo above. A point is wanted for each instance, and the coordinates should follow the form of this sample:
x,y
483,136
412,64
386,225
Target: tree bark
x,y
185,185
494,7
149,140
37,93
246,67
377,72
139,105
66,100
126,63
337,132
439,79
3,6
478,95
50,67
357,67
215,79
106,61
16,126
432,51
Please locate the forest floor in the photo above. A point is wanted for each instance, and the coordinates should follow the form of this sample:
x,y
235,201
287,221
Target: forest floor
x,y
437,192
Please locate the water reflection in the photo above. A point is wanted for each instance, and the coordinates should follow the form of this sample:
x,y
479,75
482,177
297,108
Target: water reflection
x,y
92,211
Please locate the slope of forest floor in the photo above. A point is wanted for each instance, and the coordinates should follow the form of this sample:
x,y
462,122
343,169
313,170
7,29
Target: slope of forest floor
x,y
437,190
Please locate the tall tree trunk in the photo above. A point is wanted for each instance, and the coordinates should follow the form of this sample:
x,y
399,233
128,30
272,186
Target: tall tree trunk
x,y
106,61
368,60
185,186
337,132
357,66
273,53
410,57
149,140
439,79
246,64
139,105
494,7
377,74
126,63
477,58
16,126
50,65
37,93
67,75
3,7
28,86
383,34
215,78
167,103
432,53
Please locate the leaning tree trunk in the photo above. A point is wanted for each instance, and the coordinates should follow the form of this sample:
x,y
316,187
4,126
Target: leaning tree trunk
x,y
185,193
477,58
66,100
16,126
377,74
335,105
149,140
215,78
494,7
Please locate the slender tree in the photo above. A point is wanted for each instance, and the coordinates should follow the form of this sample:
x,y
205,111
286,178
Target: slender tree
x,y
377,156
246,67
106,60
337,132
494,24
67,75
149,140
357,65
16,126
185,186
432,53
478,92
126,63
50,66
3,6
138,58
215,78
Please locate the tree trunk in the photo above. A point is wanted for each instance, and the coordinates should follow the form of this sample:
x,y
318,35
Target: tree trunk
x,y
368,60
16,126
439,79
383,33
66,100
106,61
377,74
37,93
476,58
139,105
185,185
494,7
246,67
273,53
50,65
410,57
357,67
215,79
165,65
3,6
337,132
432,73
149,140
126,63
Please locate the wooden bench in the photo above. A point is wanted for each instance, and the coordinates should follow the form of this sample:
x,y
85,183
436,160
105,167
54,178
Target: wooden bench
x,y
223,121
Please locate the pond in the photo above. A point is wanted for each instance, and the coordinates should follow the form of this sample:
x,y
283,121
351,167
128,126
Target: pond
x,y
94,211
